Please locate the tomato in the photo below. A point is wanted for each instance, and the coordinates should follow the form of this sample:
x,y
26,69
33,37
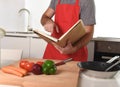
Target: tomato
x,y
23,63
29,66
39,62
26,65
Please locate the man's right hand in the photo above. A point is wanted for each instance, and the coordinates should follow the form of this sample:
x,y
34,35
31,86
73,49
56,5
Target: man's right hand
x,y
50,26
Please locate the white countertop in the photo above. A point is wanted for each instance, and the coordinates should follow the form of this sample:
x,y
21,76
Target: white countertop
x,y
21,34
86,81
106,39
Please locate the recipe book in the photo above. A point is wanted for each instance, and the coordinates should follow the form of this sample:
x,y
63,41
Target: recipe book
x,y
73,34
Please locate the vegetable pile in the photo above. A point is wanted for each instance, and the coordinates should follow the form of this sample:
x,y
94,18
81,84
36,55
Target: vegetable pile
x,y
47,67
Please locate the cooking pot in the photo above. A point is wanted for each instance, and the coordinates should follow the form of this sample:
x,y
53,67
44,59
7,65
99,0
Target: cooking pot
x,y
97,69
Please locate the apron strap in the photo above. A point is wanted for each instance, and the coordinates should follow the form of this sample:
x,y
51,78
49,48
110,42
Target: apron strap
x,y
58,1
77,2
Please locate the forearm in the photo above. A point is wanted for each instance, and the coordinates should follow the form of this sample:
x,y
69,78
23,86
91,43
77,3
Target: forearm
x,y
46,17
85,40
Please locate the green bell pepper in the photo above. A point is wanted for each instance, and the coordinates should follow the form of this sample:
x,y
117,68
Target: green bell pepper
x,y
48,67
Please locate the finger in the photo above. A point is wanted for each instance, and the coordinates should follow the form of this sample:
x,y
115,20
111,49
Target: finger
x,y
53,43
57,29
49,27
57,46
69,43
46,28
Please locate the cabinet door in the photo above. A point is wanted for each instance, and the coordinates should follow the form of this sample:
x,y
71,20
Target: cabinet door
x,y
37,47
16,43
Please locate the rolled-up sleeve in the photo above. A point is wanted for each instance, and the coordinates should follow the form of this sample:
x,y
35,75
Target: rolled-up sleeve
x,y
52,4
87,13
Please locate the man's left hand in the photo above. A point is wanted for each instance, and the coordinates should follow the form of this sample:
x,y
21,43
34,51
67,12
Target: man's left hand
x,y
68,49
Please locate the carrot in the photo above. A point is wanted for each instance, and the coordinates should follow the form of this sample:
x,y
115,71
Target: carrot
x,y
18,69
11,71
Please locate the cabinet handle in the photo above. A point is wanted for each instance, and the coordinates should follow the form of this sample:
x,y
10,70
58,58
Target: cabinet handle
x,y
106,57
109,48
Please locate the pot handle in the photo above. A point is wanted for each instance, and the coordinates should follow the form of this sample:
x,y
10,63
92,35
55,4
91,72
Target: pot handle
x,y
113,65
113,59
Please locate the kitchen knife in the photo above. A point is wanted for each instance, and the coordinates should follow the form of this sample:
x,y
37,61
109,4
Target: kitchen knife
x,y
64,61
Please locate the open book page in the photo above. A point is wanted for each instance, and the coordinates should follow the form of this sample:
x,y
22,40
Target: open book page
x,y
45,36
73,34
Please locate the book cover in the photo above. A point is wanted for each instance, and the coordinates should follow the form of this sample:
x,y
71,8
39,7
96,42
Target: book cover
x,y
73,34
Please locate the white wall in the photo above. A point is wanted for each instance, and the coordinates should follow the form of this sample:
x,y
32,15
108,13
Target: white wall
x,y
9,18
37,8
108,18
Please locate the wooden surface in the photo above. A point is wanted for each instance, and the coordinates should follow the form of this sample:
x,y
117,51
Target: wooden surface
x,y
67,76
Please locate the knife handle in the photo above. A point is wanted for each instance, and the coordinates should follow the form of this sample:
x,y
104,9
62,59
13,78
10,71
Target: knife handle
x,y
64,61
60,63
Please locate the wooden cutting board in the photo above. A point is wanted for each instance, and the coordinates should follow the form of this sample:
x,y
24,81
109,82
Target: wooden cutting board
x,y
67,76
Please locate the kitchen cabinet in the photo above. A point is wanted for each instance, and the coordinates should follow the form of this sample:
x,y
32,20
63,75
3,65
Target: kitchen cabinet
x,y
32,47
37,47
8,42
9,56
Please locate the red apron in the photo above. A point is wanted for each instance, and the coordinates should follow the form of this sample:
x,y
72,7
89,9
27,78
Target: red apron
x,y
66,15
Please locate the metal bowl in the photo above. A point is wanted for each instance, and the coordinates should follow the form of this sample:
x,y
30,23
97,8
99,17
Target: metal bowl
x,y
97,69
